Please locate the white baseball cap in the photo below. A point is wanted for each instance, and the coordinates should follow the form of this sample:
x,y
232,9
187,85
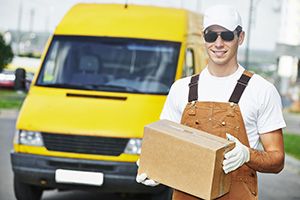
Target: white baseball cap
x,y
222,15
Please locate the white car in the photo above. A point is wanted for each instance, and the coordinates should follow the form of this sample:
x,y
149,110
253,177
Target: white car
x,y
7,79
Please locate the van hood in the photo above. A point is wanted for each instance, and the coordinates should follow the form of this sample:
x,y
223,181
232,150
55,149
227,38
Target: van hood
x,y
88,112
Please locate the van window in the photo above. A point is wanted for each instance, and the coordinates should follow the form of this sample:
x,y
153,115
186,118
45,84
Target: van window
x,y
110,64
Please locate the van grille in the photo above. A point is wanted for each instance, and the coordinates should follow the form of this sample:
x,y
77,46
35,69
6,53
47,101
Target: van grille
x,y
84,144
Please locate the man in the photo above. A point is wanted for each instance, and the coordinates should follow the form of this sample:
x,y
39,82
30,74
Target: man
x,y
228,101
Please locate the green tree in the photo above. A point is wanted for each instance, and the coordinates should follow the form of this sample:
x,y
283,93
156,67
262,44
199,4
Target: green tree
x,y
6,54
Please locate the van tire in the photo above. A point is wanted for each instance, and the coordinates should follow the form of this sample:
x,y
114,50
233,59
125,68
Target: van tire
x,y
25,191
164,195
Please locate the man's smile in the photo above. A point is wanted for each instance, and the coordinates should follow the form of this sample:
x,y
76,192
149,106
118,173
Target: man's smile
x,y
219,53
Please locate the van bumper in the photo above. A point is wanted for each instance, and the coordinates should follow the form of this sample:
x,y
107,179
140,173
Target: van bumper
x,y
40,171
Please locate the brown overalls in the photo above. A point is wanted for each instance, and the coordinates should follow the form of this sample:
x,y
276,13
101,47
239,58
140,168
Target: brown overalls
x,y
218,119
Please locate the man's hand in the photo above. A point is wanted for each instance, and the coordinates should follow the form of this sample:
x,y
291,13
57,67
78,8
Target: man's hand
x,y
235,158
142,178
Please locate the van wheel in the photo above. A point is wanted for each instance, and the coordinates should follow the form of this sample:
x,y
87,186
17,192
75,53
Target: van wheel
x,y
165,195
25,191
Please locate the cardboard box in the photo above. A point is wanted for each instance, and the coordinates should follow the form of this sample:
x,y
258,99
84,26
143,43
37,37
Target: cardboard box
x,y
185,158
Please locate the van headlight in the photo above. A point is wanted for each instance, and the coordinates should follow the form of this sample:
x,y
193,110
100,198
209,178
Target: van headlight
x,y
30,138
133,146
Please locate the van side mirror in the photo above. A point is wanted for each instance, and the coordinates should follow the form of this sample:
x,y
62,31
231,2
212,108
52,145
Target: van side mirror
x,y
20,79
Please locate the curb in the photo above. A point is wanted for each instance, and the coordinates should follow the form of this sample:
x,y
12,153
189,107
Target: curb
x,y
9,113
292,122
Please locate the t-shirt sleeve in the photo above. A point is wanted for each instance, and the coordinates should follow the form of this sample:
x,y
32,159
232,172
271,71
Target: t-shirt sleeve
x,y
171,110
270,115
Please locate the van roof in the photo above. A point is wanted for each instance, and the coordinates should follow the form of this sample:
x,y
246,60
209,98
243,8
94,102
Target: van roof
x,y
135,21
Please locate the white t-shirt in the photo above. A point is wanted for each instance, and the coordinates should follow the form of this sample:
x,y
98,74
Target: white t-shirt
x,y
260,103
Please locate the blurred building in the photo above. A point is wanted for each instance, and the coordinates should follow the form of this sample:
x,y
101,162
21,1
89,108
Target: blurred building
x,y
288,51
26,43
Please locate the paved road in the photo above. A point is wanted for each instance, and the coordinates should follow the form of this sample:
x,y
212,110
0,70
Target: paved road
x,y
6,136
283,186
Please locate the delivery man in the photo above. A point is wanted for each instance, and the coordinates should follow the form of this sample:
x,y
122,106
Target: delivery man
x,y
228,101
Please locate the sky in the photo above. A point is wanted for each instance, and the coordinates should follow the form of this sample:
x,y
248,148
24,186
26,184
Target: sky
x,y
44,15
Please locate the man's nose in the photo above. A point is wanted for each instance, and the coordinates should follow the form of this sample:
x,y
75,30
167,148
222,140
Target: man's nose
x,y
219,42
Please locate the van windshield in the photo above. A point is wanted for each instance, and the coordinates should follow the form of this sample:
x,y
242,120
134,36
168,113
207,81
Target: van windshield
x,y
110,64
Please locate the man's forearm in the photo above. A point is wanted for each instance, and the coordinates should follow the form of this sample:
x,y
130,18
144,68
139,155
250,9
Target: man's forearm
x,y
268,162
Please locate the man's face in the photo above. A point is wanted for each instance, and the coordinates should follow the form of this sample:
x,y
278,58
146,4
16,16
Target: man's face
x,y
223,52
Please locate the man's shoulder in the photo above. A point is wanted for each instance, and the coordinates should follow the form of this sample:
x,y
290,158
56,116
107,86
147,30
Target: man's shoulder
x,y
181,83
258,81
261,87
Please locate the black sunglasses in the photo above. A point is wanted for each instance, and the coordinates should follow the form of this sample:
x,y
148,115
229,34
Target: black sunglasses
x,y
212,36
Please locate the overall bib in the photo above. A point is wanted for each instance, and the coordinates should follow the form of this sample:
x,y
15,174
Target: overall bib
x,y
218,119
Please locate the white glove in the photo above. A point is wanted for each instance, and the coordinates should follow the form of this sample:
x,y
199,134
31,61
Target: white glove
x,y
235,158
142,178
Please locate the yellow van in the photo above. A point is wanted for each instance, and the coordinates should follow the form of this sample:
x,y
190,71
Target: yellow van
x,y
105,74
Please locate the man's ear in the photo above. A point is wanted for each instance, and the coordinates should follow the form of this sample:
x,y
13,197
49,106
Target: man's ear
x,y
241,37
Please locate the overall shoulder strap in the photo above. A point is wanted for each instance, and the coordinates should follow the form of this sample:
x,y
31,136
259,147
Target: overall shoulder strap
x,y
193,88
240,87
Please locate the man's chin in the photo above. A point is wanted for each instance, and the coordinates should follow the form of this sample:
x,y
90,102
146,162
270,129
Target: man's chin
x,y
218,59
